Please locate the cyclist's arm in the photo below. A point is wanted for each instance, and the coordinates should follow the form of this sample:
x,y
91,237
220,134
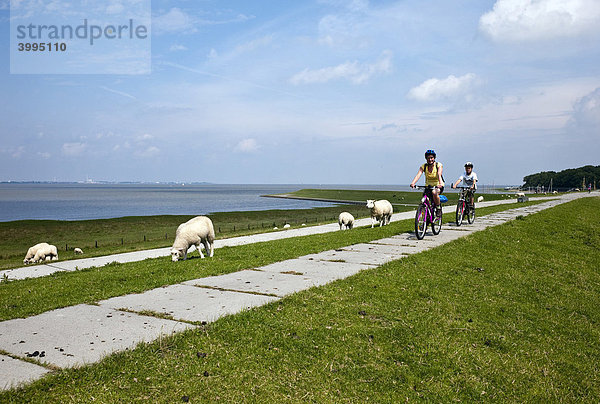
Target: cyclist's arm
x,y
457,182
419,173
440,181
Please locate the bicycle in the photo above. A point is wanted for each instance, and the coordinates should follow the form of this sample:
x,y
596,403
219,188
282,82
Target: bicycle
x,y
426,215
463,207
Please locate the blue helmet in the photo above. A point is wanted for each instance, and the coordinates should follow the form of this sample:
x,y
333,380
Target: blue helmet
x,y
430,153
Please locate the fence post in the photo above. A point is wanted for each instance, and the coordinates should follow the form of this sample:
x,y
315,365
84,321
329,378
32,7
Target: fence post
x,y
144,237
96,243
66,247
121,241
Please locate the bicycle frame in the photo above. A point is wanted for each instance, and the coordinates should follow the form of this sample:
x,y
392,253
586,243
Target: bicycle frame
x,y
425,215
463,207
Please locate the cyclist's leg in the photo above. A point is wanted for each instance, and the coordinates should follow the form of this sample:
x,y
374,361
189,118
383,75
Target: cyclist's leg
x,y
436,199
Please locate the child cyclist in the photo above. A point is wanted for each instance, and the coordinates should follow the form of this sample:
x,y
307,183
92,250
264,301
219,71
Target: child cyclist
x,y
433,177
470,180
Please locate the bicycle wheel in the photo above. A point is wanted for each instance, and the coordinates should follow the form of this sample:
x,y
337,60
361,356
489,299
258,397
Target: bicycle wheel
x,y
460,212
471,214
436,224
421,222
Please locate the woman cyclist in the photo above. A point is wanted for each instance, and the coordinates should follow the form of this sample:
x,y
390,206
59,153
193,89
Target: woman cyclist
x,y
433,177
470,180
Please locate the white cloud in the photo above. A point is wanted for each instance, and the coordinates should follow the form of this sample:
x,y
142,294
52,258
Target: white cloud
x,y
124,94
44,155
179,21
531,20
144,137
450,87
148,152
585,120
175,20
18,152
73,149
247,146
177,47
355,72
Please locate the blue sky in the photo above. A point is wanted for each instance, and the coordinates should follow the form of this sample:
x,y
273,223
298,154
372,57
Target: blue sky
x,y
323,91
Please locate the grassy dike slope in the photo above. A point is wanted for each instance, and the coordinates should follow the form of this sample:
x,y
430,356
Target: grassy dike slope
x,y
506,314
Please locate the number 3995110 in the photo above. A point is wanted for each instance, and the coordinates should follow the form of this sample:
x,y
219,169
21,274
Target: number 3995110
x,y
42,47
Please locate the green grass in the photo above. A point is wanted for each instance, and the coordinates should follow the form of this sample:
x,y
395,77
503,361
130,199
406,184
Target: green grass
x,y
23,298
144,232
111,236
508,314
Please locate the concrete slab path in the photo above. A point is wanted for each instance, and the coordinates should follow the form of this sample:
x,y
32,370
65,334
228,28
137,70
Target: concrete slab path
x,y
84,334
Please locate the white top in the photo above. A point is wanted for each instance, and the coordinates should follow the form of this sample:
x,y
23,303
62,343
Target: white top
x,y
469,179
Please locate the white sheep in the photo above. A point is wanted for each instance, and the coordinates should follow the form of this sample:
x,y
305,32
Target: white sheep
x,y
286,226
346,219
77,251
381,210
196,231
41,252
480,199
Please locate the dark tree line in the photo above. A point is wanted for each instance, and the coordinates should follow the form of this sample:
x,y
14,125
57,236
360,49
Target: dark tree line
x,y
570,178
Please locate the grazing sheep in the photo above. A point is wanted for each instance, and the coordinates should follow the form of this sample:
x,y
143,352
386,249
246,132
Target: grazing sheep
x,y
286,226
381,210
480,199
196,231
41,252
346,219
77,251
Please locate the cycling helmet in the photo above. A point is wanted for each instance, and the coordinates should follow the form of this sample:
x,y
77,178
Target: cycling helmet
x,y
429,153
468,164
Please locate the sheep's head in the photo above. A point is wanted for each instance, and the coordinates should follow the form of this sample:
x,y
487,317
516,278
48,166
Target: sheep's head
x,y
26,261
176,253
370,203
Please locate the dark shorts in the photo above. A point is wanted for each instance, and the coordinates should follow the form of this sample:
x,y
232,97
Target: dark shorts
x,y
429,192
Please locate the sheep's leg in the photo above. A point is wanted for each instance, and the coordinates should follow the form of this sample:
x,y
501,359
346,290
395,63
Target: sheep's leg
x,y
199,247
209,249
372,221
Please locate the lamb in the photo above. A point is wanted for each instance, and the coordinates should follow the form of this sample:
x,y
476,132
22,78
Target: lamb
x,y
480,199
346,219
196,231
77,251
381,210
41,252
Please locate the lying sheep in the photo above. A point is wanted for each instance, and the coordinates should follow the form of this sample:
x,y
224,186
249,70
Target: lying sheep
x,y
196,231
78,251
346,219
41,252
381,210
480,199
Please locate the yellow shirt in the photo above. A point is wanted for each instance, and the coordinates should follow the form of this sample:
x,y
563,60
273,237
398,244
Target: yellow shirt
x,y
431,178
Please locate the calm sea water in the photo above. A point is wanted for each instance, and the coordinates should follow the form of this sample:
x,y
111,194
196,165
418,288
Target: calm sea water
x,y
102,201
